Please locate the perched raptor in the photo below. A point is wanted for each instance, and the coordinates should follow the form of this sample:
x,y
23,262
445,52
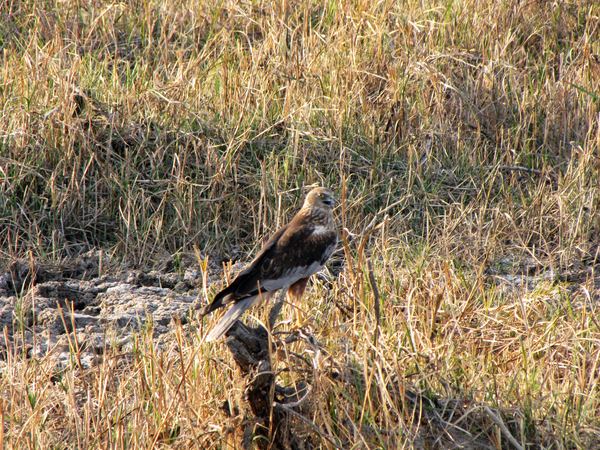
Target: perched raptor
x,y
294,253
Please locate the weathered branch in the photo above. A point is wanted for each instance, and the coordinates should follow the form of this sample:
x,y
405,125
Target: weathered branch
x,y
250,349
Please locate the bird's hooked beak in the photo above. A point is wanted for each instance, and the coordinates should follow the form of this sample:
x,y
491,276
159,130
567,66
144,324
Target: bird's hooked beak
x,y
332,202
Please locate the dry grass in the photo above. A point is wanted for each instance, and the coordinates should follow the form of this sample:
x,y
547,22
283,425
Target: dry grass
x,y
532,360
468,130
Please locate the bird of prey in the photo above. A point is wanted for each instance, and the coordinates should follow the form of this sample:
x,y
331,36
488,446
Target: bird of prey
x,y
294,253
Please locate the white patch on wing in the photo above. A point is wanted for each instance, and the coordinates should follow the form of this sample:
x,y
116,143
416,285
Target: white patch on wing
x,y
291,276
320,229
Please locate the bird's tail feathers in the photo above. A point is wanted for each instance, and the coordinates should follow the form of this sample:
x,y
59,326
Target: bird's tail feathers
x,y
221,299
233,313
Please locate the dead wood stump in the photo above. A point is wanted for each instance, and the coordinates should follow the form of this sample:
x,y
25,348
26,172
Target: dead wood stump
x,y
272,425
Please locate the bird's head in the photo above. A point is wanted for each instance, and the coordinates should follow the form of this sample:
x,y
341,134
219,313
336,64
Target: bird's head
x,y
320,198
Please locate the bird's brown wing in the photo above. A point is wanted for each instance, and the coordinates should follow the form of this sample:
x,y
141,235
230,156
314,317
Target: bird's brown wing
x,y
246,283
292,253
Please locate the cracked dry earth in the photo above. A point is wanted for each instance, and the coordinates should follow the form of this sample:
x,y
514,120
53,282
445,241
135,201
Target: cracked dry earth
x,y
44,310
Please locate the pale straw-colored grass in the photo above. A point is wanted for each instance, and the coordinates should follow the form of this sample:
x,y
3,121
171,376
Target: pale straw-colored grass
x,y
466,131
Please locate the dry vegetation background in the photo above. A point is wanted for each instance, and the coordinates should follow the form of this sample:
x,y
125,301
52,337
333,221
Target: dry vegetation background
x,y
463,138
